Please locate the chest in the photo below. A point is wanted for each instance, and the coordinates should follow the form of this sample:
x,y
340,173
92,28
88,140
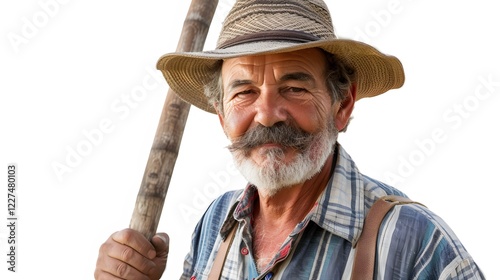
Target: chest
x,y
313,252
266,246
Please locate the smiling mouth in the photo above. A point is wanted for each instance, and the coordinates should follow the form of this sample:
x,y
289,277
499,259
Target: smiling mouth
x,y
275,148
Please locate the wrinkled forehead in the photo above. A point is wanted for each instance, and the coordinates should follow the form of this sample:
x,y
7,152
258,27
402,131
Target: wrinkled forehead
x,y
311,61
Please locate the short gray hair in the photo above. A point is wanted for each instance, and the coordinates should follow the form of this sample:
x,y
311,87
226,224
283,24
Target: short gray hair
x,y
213,87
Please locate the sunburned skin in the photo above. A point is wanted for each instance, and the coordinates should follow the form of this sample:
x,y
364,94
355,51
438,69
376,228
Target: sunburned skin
x,y
264,91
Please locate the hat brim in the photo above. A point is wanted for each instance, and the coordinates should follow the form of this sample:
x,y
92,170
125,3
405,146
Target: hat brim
x,y
376,73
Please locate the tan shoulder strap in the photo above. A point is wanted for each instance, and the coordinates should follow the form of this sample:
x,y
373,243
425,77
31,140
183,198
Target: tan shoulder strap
x,y
364,261
220,258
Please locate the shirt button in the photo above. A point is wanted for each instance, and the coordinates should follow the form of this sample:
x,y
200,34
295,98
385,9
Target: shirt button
x,y
244,251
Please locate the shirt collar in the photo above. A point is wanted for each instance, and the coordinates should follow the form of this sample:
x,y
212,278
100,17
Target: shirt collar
x,y
341,207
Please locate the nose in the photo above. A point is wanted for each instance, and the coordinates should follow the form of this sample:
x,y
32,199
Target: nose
x,y
270,108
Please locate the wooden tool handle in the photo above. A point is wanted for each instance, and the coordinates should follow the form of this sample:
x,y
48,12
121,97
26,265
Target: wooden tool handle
x,y
165,148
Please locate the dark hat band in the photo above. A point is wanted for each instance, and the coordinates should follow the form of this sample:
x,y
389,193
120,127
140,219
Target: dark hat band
x,y
271,35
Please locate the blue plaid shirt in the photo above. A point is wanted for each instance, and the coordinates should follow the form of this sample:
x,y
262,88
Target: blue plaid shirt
x,y
413,242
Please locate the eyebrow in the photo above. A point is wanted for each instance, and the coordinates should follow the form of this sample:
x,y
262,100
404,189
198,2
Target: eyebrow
x,y
237,83
295,76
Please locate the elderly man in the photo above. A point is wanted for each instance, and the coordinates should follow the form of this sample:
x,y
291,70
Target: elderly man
x,y
283,86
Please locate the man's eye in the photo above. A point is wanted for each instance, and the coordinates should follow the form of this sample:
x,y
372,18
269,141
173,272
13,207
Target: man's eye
x,y
294,90
244,92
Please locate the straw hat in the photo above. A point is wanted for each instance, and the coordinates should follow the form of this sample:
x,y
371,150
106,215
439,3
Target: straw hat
x,y
256,27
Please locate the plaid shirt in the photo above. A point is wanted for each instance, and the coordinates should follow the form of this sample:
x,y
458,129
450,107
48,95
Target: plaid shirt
x,y
413,242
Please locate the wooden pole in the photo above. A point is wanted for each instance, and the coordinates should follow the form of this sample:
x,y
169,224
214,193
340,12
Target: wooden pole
x,y
165,148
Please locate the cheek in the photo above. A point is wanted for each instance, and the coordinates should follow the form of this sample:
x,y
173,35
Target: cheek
x,y
313,116
236,123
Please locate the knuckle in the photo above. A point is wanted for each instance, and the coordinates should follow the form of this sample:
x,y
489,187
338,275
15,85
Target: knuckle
x,y
122,270
123,236
104,248
127,254
99,275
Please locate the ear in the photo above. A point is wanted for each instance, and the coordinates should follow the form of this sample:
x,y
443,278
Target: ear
x,y
345,109
219,114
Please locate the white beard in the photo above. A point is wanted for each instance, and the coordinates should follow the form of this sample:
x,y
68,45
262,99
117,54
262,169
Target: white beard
x,y
274,175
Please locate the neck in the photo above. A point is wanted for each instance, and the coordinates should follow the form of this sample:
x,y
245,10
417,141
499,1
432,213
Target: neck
x,y
276,216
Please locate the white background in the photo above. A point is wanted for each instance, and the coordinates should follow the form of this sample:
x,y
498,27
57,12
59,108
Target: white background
x,y
69,66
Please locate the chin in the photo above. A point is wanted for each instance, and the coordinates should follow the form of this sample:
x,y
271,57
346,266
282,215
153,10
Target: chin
x,y
274,175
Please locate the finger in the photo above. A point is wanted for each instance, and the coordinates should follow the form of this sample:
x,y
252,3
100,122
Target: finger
x,y
161,243
136,241
116,269
103,275
129,256
108,267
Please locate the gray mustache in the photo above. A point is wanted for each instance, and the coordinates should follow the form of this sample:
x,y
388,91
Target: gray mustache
x,y
281,133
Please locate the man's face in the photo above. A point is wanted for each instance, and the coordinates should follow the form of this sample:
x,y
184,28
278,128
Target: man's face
x,y
279,116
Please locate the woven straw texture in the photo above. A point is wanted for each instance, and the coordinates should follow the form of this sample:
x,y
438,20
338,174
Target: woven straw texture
x,y
186,73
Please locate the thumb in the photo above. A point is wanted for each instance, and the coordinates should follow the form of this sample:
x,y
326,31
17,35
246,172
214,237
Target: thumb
x,y
161,243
